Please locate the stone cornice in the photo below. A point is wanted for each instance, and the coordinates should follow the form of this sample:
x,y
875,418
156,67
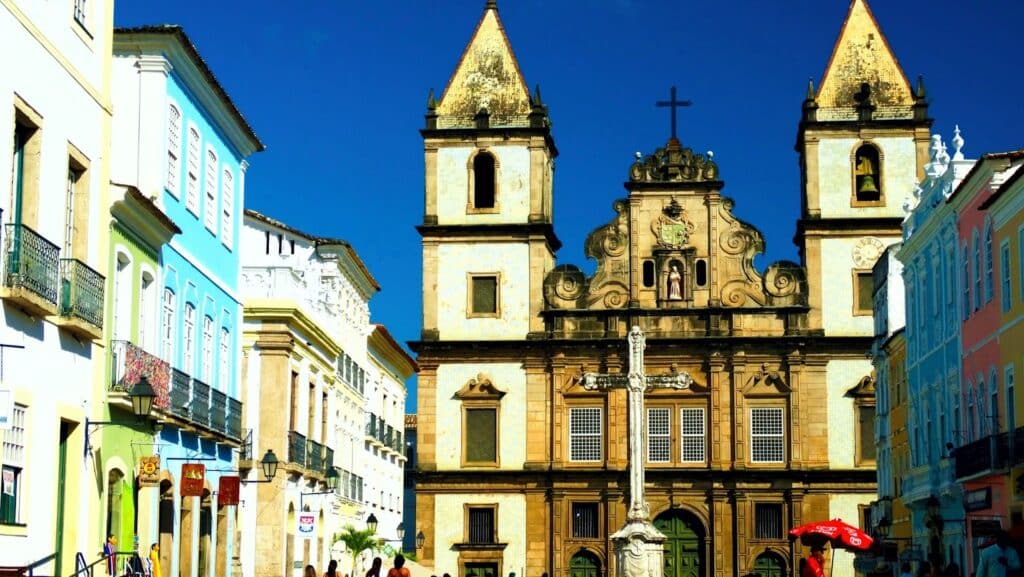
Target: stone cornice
x,y
141,215
287,313
486,232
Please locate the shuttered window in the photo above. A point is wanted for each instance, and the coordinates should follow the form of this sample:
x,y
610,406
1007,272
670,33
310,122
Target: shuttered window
x,y
768,520
481,525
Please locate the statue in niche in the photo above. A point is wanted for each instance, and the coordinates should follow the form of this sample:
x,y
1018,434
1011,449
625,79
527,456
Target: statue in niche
x,y
675,284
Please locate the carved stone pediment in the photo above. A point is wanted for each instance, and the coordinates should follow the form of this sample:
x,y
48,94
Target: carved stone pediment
x,y
674,163
573,384
480,388
766,383
671,228
865,388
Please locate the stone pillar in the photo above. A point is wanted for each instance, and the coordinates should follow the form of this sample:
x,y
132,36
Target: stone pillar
x,y
639,550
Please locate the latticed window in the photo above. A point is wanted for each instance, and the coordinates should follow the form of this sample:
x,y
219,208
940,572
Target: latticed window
x,y
80,13
173,148
225,360
692,434
188,355
207,344
585,434
167,330
481,525
12,467
210,208
584,520
768,520
227,208
766,435
192,193
659,435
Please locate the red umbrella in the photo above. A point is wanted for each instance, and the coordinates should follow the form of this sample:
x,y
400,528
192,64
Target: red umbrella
x,y
838,534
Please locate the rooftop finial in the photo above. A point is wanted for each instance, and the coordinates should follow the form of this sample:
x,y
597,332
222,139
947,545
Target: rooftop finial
x,y
431,101
958,144
810,88
536,95
920,93
491,5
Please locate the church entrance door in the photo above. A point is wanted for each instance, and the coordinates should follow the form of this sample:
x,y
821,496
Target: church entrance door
x,y
481,570
769,565
584,564
684,544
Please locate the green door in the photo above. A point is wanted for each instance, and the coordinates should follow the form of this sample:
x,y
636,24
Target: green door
x,y
768,565
584,564
481,570
684,544
62,459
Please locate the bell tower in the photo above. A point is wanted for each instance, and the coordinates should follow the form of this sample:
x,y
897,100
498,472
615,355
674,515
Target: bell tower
x,y
863,143
487,229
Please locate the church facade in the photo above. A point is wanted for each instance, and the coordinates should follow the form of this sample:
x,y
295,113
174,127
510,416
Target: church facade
x,y
521,469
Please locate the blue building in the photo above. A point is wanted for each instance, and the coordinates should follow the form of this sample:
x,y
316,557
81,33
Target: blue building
x,y
192,143
930,255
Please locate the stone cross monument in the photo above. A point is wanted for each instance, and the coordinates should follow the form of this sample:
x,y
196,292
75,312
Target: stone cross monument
x,y
638,545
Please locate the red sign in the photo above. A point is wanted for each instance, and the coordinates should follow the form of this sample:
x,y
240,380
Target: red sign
x,y
227,491
193,476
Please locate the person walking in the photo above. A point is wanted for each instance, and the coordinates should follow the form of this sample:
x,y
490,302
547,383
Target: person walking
x,y
374,568
999,559
815,566
332,569
399,570
109,553
154,560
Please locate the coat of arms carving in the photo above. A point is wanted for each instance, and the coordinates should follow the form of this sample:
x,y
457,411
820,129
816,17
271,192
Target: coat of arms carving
x,y
671,228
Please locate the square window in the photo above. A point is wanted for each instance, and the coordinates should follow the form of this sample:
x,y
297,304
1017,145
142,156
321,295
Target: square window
x,y
863,289
481,435
584,520
866,434
768,520
766,435
13,458
483,295
585,434
481,525
659,439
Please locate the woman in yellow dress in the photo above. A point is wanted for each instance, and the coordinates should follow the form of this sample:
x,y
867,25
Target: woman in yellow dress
x,y
154,560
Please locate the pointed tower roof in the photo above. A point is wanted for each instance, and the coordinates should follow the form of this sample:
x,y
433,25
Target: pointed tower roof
x,y
862,56
487,77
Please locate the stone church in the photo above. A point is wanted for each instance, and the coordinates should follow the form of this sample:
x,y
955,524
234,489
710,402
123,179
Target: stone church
x,y
523,470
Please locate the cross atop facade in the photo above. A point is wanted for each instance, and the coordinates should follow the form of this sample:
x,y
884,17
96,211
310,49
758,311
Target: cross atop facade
x,y
636,383
672,104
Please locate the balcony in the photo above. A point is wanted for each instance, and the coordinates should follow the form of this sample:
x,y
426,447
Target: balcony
x,y
296,448
181,393
199,409
234,421
315,456
328,459
31,271
81,300
129,363
991,453
218,411
195,406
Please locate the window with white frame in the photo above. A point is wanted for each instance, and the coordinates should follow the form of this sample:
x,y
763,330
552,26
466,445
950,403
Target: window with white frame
x,y
1011,411
227,208
988,265
976,243
585,434
12,468
206,370
993,402
225,360
766,435
80,14
1004,276
692,434
210,206
659,435
966,256
192,192
147,312
188,355
173,149
167,326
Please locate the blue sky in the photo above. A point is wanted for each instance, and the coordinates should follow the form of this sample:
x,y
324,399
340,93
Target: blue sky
x,y
337,91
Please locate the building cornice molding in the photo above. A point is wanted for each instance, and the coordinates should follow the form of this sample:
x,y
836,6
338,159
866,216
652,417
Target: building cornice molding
x,y
293,316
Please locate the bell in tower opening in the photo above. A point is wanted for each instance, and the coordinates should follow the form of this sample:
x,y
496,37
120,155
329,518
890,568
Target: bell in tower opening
x,y
866,173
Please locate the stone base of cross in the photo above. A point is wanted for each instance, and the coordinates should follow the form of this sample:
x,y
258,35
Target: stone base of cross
x,y
638,545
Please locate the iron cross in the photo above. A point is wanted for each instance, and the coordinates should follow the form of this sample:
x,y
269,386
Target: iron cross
x,y
672,104
636,383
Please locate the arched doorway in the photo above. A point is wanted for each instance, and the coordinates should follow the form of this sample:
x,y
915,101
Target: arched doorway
x,y
684,543
584,564
289,542
166,524
115,493
769,564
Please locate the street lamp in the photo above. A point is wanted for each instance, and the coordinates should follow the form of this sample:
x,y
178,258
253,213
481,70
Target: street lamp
x,y
401,531
883,526
332,484
420,540
142,396
269,464
371,523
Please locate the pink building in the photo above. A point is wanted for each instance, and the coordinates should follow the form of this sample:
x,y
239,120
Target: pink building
x,y
984,443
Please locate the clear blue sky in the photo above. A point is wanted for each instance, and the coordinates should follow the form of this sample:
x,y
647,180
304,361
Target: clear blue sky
x,y
337,91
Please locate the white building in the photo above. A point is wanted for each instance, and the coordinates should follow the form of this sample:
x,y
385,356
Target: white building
x,y
55,95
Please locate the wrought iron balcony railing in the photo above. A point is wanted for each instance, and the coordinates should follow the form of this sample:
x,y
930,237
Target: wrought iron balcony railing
x,y
181,393
32,262
200,407
129,363
314,456
234,420
296,448
81,292
328,459
986,454
371,426
218,411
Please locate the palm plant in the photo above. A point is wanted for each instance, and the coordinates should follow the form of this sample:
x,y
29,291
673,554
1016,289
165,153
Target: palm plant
x,y
356,541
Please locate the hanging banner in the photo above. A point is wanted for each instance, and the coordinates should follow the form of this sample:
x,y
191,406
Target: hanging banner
x,y
9,482
149,471
192,477
227,491
307,525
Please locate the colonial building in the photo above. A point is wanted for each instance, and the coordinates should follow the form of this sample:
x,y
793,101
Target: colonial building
x,y
520,469
180,141
55,122
309,382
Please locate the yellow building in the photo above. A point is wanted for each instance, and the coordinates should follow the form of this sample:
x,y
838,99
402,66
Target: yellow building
x,y
522,470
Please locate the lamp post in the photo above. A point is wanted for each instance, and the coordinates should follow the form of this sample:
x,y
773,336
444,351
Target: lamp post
x,y
371,523
269,464
142,396
420,540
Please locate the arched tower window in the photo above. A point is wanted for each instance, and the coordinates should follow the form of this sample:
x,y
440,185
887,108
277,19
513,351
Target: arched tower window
x,y
867,170
483,181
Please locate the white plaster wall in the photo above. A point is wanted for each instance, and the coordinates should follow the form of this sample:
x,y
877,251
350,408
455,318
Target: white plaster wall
x,y
449,527
837,288
55,21
455,262
845,506
841,376
509,377
513,193
899,173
